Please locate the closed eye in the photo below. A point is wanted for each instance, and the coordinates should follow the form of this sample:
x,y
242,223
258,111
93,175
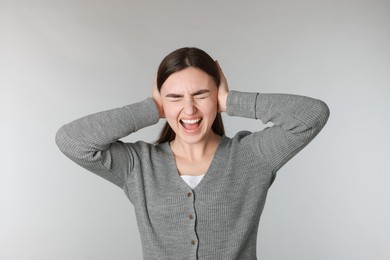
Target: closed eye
x,y
173,97
201,94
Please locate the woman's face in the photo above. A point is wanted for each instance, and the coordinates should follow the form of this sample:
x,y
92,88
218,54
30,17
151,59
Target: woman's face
x,y
190,102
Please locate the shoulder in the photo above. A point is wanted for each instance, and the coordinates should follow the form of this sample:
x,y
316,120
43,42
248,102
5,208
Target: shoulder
x,y
139,146
242,136
241,140
142,148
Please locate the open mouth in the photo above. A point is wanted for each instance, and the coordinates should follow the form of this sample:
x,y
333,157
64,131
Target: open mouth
x,y
191,124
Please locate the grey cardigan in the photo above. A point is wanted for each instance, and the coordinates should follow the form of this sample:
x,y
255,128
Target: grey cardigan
x,y
218,219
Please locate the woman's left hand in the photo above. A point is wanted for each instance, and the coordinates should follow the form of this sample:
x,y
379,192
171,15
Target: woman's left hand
x,y
223,90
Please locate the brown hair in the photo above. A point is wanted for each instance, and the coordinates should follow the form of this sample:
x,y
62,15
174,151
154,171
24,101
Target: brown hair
x,y
181,59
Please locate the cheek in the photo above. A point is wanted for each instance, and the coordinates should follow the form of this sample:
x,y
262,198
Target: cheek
x,y
170,110
210,108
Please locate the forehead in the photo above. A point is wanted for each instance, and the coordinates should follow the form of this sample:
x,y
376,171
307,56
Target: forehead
x,y
189,79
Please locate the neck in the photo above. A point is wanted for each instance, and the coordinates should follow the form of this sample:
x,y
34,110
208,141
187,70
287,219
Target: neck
x,y
196,151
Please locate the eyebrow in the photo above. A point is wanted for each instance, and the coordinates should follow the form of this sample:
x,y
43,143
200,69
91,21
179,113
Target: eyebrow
x,y
196,93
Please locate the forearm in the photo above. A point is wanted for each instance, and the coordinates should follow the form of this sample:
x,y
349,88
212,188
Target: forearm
x,y
97,131
291,112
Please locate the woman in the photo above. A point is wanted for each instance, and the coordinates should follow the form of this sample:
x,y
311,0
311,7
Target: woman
x,y
197,193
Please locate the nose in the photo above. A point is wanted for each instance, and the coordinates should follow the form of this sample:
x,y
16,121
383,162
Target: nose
x,y
189,107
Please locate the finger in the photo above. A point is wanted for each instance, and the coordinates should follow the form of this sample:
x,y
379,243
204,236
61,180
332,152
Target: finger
x,y
220,69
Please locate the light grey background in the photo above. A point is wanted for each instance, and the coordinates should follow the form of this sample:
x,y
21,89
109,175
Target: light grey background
x,y
60,60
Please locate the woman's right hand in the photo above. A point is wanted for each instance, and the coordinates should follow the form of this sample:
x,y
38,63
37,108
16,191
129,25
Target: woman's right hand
x,y
156,95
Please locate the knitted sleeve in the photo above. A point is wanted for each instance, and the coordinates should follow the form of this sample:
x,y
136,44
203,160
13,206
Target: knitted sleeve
x,y
296,121
93,141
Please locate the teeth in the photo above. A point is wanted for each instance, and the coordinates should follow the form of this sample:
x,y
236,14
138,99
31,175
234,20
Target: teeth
x,y
190,121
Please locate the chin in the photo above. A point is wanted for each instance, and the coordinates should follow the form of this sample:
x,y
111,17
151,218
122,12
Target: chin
x,y
194,138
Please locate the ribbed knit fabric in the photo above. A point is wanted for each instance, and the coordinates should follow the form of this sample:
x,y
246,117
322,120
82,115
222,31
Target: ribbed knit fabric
x,y
218,219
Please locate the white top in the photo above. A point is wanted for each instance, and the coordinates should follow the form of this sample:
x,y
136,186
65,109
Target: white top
x,y
192,181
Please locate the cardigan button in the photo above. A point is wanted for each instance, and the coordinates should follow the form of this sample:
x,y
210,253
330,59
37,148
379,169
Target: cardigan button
x,y
191,216
189,194
193,242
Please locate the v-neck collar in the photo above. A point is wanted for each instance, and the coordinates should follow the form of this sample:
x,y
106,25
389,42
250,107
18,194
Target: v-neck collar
x,y
209,174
